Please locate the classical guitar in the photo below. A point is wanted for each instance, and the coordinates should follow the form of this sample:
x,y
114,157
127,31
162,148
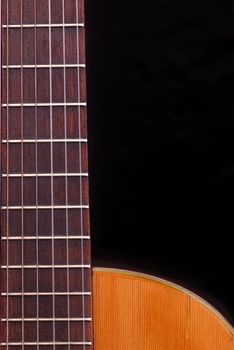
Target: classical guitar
x,y
51,297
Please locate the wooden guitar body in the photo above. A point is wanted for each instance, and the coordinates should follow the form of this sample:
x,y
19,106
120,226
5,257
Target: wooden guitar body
x,y
139,312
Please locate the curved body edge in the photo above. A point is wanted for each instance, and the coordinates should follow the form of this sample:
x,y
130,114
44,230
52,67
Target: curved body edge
x,y
134,311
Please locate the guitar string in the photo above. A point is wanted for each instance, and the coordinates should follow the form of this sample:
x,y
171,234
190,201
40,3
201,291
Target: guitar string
x,y
7,171
52,179
22,165
66,176
81,180
36,173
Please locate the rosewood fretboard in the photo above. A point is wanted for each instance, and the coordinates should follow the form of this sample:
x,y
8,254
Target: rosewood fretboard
x,y
45,238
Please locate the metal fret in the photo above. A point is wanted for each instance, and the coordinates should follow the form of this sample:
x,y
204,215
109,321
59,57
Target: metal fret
x,y
53,104
42,25
87,319
40,66
46,141
11,294
45,343
47,175
30,238
45,266
29,207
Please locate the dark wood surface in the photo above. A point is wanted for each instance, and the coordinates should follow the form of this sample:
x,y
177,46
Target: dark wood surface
x,y
21,227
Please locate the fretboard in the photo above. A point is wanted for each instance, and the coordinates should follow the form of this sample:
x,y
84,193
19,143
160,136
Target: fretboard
x,y
45,235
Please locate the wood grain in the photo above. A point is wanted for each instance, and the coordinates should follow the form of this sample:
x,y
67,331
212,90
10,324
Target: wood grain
x,y
138,312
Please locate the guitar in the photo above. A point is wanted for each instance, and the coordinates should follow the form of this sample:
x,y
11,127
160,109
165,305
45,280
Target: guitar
x,y
51,297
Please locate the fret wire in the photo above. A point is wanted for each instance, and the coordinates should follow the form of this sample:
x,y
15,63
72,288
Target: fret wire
x,y
43,25
45,141
44,238
48,175
52,207
53,266
45,343
45,104
54,319
41,66
12,294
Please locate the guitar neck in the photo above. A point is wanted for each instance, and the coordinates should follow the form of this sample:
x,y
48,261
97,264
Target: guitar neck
x,y
45,235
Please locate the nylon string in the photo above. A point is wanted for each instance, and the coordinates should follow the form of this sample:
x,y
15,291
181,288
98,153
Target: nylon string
x,y
52,178
22,163
36,171
66,177
7,184
81,179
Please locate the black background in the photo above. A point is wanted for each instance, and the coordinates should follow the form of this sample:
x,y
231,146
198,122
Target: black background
x,y
161,140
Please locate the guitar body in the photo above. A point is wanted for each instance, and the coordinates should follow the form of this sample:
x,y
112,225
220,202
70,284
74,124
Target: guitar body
x,y
139,312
